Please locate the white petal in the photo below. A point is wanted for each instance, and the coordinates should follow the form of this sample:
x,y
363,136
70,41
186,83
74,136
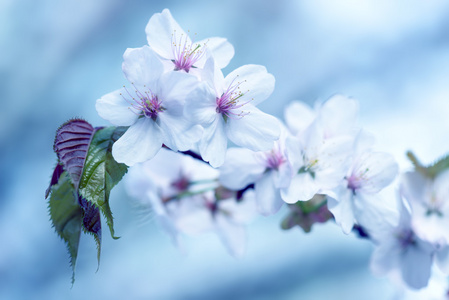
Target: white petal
x,y
139,143
208,73
416,264
283,175
142,67
192,219
114,108
200,105
298,116
335,152
339,115
294,152
405,214
214,143
442,259
232,235
374,215
343,210
256,131
332,162
416,189
302,188
138,185
379,170
166,164
221,50
167,224
161,30
174,87
178,133
268,197
385,257
241,212
256,83
240,168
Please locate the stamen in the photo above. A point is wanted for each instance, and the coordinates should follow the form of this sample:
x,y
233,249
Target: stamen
x,y
146,104
185,56
228,102
274,158
357,179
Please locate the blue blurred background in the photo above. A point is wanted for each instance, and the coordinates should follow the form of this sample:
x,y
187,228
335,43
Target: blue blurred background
x,y
58,57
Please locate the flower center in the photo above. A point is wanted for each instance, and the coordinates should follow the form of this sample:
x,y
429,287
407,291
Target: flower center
x,y
181,184
146,103
355,181
406,238
274,159
228,103
185,53
212,206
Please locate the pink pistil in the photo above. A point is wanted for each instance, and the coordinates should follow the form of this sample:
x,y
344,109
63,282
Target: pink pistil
x,y
146,103
182,183
353,183
185,56
274,159
228,102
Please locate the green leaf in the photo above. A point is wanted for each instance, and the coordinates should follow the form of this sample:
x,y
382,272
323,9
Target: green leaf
x,y
431,171
66,216
101,172
419,167
439,167
306,213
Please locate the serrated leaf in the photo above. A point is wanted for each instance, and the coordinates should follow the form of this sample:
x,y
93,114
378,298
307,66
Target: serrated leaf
x,y
71,146
101,172
92,223
438,167
66,216
431,171
57,172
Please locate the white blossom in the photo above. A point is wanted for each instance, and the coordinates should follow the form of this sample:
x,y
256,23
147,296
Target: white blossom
x,y
226,108
178,51
269,172
153,108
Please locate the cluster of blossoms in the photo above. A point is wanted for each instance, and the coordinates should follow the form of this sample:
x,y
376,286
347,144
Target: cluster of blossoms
x,y
319,161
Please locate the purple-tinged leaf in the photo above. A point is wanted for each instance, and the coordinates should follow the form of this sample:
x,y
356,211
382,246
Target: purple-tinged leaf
x,y
71,145
92,222
82,181
101,172
54,178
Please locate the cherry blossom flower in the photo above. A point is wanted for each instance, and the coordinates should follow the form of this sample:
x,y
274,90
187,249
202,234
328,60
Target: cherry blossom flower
x,y
400,251
153,108
321,148
369,174
181,191
226,108
157,183
231,219
269,172
429,201
319,164
178,51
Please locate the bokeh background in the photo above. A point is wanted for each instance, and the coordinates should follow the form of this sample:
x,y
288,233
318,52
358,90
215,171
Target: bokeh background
x,y
58,57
